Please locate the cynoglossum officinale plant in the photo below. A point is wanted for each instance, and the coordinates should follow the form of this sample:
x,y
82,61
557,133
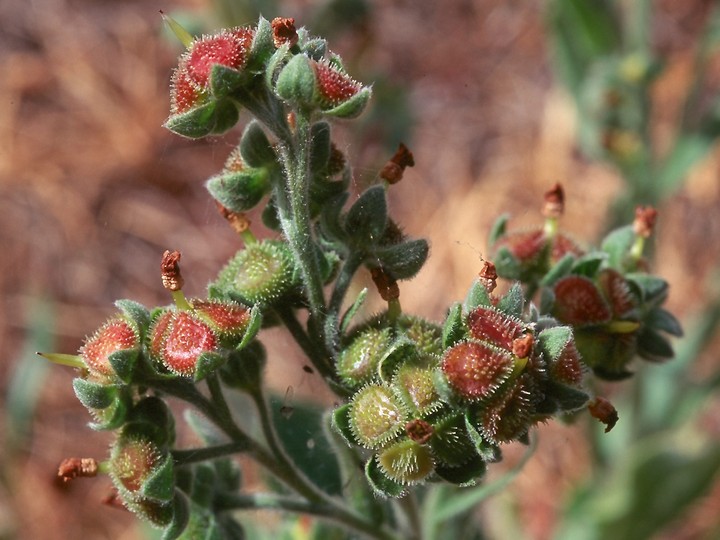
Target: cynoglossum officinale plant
x,y
419,402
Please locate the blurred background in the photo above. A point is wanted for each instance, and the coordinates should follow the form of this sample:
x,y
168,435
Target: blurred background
x,y
497,99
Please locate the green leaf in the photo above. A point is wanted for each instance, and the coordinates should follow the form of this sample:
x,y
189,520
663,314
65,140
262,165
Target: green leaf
x,y
652,290
160,485
498,229
320,148
123,363
352,107
94,395
352,310
405,259
303,437
617,244
213,117
241,190
207,363
477,296
225,80
341,423
589,264
366,220
296,82
262,47
180,517
661,319
567,398
465,475
454,328
255,148
561,269
554,340
513,301
380,483
244,368
137,313
653,346
506,265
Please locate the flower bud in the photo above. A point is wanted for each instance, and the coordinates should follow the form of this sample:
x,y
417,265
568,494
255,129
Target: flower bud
x,y
375,416
136,463
337,93
228,48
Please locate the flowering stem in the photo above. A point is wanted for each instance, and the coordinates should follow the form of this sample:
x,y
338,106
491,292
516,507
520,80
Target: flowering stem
x,y
196,455
342,283
310,348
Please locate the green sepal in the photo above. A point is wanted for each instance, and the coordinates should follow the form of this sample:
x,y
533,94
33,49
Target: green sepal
x,y
255,148
203,484
239,191
488,451
381,485
652,290
547,300
559,270
275,63
296,81
180,517
513,302
261,48
320,147
653,346
225,80
352,107
477,296
554,340
94,395
270,217
617,245
405,259
137,313
454,327
498,229
244,368
589,264
330,218
212,118
253,327
401,351
124,362
566,398
152,418
450,443
661,319
352,310
466,475
160,485
315,48
341,423
158,514
367,218
114,416
207,362
506,265
443,388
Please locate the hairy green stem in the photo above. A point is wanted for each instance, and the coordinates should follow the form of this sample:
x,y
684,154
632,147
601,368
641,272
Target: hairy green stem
x,y
342,284
196,455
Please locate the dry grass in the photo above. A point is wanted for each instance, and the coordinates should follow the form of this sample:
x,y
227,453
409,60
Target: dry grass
x,y
92,190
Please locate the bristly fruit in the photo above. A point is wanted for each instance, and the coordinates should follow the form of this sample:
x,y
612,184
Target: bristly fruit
x,y
133,461
406,462
227,48
262,273
476,371
376,416
117,334
357,363
178,339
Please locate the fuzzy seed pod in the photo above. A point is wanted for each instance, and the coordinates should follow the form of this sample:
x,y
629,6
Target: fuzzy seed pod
x,y
357,363
262,273
450,443
476,371
132,462
229,320
414,386
118,334
495,327
178,339
406,462
376,416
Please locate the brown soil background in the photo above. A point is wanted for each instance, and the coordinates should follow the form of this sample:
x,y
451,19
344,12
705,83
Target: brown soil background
x,y
93,190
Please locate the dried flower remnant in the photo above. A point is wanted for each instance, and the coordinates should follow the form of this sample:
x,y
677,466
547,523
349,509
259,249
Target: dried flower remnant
x,y
645,218
172,279
604,411
419,431
393,170
284,31
75,467
554,202
386,285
